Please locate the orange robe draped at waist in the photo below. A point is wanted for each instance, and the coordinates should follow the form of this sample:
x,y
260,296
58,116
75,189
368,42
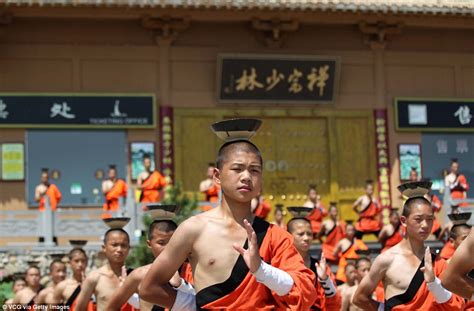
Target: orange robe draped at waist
x,y
349,253
119,189
54,196
316,218
151,187
333,237
418,297
369,219
241,291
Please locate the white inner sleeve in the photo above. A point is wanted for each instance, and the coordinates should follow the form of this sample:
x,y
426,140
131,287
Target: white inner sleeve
x,y
328,286
184,302
440,293
381,307
186,287
275,279
134,301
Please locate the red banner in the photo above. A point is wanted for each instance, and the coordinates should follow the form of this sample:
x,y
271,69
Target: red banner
x,y
166,142
382,156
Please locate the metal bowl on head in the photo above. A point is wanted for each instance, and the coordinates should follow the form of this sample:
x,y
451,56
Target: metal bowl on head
x,y
236,129
460,218
78,243
162,211
415,189
299,211
116,222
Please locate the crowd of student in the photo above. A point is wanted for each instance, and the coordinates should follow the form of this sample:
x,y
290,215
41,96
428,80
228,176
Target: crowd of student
x,y
230,258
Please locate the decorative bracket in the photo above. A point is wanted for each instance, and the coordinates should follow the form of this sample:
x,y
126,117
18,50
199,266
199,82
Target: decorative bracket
x,y
378,34
272,32
165,27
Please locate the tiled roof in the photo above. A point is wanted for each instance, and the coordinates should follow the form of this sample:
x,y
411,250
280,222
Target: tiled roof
x,y
392,6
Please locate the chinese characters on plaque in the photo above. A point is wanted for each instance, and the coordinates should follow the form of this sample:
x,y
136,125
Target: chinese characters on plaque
x,y
270,78
434,115
383,163
166,123
63,110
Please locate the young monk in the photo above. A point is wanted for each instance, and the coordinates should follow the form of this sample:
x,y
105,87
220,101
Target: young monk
x,y
278,217
459,276
409,272
334,230
457,183
151,183
57,274
328,297
104,281
17,285
47,189
113,188
437,205
391,234
369,213
67,291
209,188
239,261
159,234
362,269
347,249
26,296
318,213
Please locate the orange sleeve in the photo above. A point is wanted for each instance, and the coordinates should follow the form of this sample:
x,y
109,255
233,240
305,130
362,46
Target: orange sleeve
x,y
162,181
286,257
118,190
58,194
463,182
334,302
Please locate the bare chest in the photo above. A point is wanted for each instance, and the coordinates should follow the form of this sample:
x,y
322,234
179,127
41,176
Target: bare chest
x,y
106,287
399,275
214,256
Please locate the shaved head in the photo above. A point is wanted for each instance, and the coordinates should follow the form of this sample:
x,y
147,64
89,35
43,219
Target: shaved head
x,y
235,146
293,222
410,203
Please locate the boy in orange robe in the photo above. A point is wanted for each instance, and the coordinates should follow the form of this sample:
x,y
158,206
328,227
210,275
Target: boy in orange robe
x,y
240,262
319,212
150,183
346,250
113,189
45,188
457,183
409,272
209,188
334,230
369,213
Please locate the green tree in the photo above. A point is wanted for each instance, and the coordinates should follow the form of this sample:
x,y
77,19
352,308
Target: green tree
x,y
141,255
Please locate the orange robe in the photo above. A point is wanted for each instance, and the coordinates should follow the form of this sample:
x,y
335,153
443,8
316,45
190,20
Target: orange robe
x,y
316,218
392,240
322,302
460,191
333,237
349,253
447,251
369,220
151,187
263,209
186,272
119,189
436,204
212,195
379,293
54,196
241,291
418,297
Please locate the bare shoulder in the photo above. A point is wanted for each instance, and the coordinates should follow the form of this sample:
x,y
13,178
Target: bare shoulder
x,y
194,224
94,276
383,261
139,273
